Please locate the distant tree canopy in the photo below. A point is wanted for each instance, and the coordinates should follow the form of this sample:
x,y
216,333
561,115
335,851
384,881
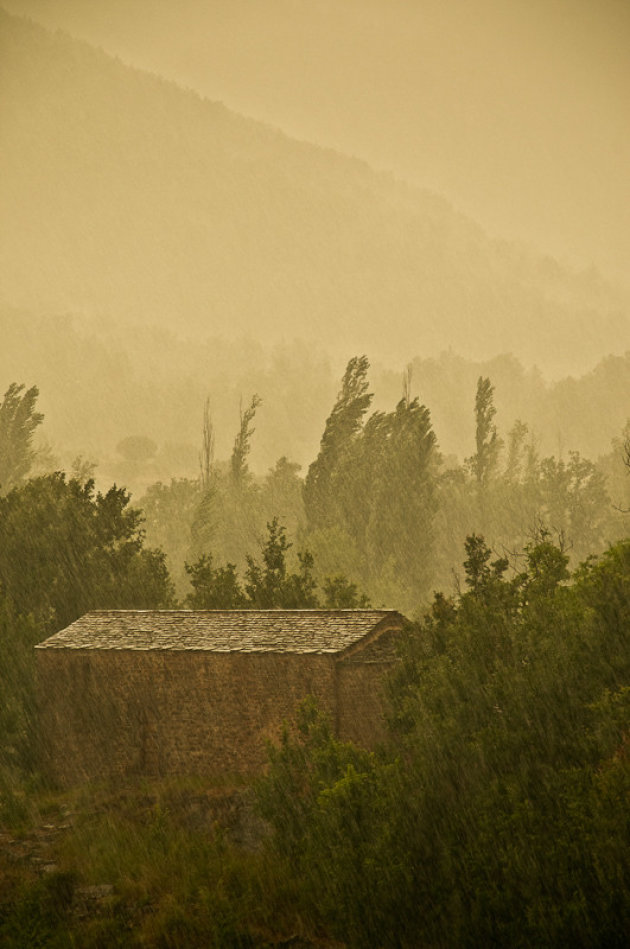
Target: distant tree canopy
x,y
380,506
136,448
18,421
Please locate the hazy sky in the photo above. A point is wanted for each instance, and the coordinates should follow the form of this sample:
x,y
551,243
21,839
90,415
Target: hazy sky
x,y
517,110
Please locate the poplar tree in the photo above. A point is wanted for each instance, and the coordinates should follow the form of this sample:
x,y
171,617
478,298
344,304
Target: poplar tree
x,y
330,469
487,442
18,421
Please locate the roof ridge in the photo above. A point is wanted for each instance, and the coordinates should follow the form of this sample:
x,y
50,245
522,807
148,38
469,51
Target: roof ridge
x,y
247,610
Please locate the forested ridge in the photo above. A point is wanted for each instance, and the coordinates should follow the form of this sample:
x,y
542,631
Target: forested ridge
x,y
495,812
157,207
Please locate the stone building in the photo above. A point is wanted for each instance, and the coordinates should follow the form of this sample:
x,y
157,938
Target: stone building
x,y
199,692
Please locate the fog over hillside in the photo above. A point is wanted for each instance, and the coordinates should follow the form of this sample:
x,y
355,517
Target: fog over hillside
x,y
131,199
518,112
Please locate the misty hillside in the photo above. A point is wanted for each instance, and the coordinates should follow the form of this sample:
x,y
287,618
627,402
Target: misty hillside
x,y
129,198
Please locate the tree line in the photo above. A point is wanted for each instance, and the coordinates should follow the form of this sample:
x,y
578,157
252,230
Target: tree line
x,y
382,505
495,812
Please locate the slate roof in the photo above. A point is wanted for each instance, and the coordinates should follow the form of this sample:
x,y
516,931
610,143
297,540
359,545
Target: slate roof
x,y
276,631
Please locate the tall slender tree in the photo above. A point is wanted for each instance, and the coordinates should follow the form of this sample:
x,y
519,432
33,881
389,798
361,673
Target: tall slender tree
x,y
342,428
487,442
240,452
18,421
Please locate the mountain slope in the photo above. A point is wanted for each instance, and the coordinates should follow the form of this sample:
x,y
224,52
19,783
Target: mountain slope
x,y
131,198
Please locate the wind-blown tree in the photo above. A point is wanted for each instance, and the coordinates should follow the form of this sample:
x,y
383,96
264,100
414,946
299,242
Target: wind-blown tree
x,y
206,455
402,507
229,517
508,505
326,475
373,482
238,462
18,422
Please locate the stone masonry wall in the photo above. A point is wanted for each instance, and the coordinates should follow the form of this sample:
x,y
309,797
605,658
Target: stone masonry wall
x,y
110,713
361,701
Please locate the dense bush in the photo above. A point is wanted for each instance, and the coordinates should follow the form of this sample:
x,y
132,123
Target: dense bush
x,y
498,814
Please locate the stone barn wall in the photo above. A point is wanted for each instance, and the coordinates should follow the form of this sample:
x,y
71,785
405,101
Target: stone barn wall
x,y
361,700
108,713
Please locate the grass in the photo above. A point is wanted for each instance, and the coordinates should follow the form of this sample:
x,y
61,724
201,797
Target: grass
x,y
152,864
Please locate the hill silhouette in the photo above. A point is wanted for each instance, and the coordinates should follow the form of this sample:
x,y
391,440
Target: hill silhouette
x,y
126,197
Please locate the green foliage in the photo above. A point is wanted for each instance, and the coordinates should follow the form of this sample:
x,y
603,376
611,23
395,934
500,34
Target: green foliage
x,y
399,472
327,473
65,549
380,505
169,511
214,588
498,816
341,594
487,441
375,482
233,506
18,635
238,461
269,584
172,877
37,915
18,421
509,505
325,801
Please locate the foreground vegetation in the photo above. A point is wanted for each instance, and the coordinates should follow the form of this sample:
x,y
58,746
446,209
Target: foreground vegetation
x,y
495,814
498,815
